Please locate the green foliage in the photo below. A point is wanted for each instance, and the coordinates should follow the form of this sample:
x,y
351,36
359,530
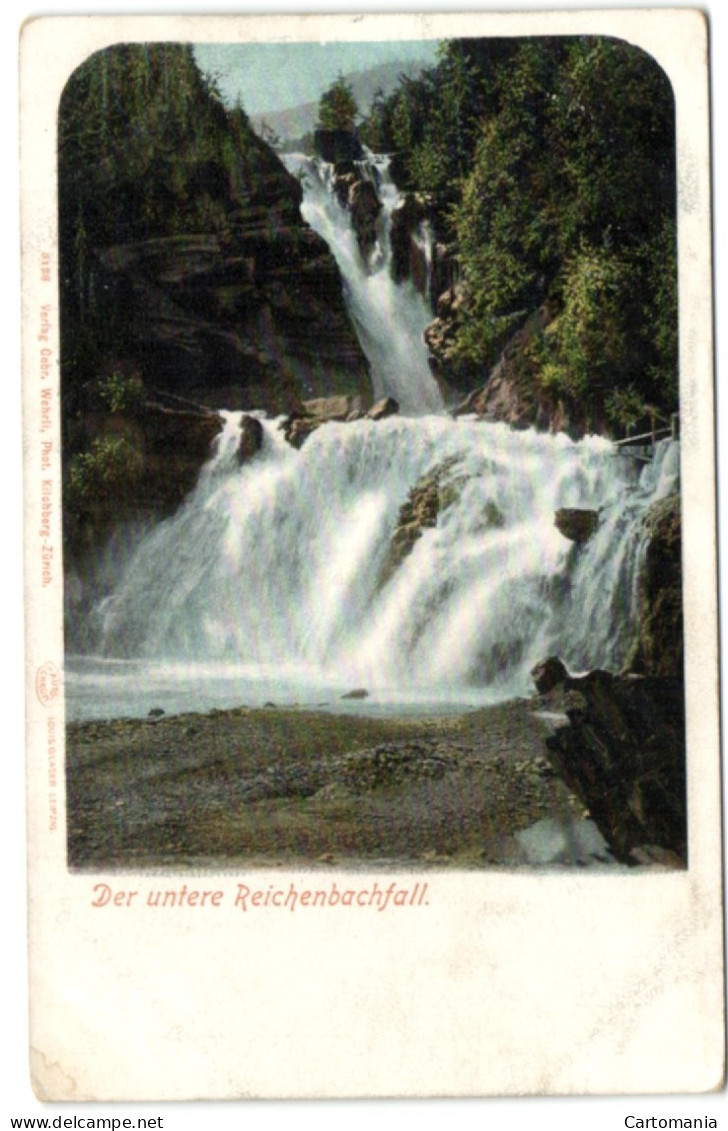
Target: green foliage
x,y
659,312
551,166
111,466
338,109
612,114
625,407
121,393
593,341
373,131
146,149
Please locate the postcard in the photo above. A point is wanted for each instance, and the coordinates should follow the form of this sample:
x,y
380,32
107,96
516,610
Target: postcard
x,y
370,556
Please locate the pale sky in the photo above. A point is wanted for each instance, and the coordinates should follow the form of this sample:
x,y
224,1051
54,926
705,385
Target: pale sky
x,y
276,76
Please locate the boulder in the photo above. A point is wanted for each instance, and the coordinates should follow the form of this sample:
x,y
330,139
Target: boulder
x,y
333,408
299,425
386,406
297,429
417,513
548,674
576,524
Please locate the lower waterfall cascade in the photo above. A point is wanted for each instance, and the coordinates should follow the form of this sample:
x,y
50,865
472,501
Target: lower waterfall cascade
x,y
274,578
272,573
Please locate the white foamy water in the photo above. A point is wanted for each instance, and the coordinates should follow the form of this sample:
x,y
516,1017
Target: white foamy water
x,y
390,318
271,580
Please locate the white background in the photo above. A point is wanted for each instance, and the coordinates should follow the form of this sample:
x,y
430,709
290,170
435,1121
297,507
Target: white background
x,y
16,1098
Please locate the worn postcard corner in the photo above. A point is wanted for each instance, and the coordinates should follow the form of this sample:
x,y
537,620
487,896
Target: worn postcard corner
x,y
370,556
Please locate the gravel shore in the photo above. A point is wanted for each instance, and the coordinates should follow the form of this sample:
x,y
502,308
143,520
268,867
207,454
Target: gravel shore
x,y
282,786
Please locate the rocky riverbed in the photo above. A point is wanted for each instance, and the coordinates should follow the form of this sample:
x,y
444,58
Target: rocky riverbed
x,y
282,786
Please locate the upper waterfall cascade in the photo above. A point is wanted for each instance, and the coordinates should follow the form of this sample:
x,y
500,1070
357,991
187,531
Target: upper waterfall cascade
x,y
389,318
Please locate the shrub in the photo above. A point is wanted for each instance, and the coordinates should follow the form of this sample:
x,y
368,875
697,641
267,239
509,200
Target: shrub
x,y
625,407
111,467
121,393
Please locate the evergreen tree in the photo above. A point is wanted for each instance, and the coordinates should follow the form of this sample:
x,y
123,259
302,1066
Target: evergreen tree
x,y
338,109
550,166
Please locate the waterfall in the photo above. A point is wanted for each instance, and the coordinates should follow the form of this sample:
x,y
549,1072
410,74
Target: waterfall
x,y
276,579
272,578
389,318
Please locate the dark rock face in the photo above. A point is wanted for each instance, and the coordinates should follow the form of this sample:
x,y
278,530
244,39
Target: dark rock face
x,y
440,334
575,524
623,754
337,145
512,391
345,175
408,259
251,438
364,206
163,451
173,444
624,750
259,323
418,513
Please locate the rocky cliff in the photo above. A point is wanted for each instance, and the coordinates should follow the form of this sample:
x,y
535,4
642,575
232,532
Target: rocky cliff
x,y
252,320
623,750
186,271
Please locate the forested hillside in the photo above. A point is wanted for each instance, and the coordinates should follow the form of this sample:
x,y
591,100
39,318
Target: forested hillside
x,y
549,168
187,278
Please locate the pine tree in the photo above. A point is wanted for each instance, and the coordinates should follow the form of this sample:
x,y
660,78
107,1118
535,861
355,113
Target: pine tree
x,y
338,109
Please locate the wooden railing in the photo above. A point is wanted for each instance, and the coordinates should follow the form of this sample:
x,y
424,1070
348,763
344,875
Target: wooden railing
x,y
649,439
